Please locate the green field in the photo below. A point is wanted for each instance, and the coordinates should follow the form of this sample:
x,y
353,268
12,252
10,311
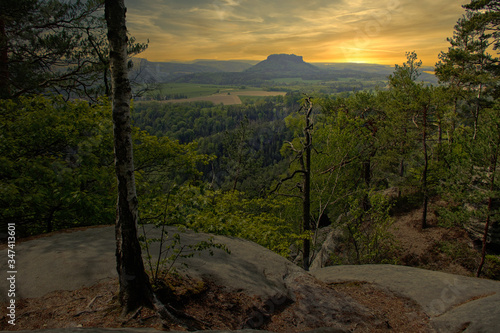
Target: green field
x,y
188,91
191,90
289,80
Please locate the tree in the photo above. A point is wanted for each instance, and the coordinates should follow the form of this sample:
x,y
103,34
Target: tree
x,y
350,137
410,107
56,163
485,21
491,150
487,18
305,163
135,287
302,153
468,69
54,46
239,157
471,73
354,123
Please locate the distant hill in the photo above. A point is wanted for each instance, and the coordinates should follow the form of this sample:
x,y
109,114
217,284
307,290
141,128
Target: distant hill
x,y
283,65
362,67
372,69
250,72
226,65
148,71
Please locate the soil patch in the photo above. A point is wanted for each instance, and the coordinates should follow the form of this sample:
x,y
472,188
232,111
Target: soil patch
x,y
213,306
423,248
394,313
259,93
216,99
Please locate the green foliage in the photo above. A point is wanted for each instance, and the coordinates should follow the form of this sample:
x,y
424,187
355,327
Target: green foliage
x,y
264,221
56,46
57,167
239,160
170,250
460,253
369,240
206,167
56,164
162,163
218,131
468,186
492,267
202,118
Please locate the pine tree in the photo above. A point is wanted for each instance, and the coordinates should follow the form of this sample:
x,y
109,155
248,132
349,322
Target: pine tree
x,y
56,47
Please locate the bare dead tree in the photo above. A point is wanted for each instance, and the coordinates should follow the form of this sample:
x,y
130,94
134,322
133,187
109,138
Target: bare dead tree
x,y
303,156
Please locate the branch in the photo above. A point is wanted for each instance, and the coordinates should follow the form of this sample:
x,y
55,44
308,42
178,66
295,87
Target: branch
x,y
292,147
414,122
341,164
285,179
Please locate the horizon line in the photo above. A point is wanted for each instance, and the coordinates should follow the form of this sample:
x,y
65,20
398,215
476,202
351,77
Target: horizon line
x,y
253,60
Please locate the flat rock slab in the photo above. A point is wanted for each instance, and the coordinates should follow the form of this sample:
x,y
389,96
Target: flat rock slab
x,y
62,261
72,260
248,267
453,302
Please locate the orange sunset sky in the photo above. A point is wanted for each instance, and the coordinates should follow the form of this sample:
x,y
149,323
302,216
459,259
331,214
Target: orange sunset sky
x,y
319,30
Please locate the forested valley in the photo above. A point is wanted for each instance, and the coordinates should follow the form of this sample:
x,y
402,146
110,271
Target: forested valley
x,y
274,170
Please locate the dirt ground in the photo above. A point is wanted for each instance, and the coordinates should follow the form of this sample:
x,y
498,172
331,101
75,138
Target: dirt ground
x,y
423,247
212,306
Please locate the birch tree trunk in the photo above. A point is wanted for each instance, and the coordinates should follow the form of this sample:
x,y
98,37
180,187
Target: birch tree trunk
x,y
306,186
135,288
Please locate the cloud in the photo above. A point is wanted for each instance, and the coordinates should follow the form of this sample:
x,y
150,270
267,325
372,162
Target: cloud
x,y
319,30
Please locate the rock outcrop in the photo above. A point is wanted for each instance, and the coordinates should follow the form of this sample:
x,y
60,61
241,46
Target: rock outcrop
x,y
71,260
330,244
454,303
475,228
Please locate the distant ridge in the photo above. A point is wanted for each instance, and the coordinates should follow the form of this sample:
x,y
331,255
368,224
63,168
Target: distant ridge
x,y
250,72
148,71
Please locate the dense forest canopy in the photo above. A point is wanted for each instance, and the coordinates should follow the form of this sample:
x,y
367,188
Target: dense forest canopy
x,y
239,169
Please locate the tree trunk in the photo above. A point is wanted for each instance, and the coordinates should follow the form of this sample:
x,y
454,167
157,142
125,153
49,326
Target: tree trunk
x,y
477,110
49,219
306,200
493,169
4,61
402,169
367,176
135,288
426,167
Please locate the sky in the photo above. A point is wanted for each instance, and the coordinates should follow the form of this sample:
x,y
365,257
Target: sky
x,y
370,31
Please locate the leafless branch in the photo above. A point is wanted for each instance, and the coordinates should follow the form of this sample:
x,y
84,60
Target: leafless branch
x,y
285,179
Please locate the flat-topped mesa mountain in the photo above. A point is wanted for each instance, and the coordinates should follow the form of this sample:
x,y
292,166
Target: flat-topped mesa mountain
x,y
283,65
253,73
